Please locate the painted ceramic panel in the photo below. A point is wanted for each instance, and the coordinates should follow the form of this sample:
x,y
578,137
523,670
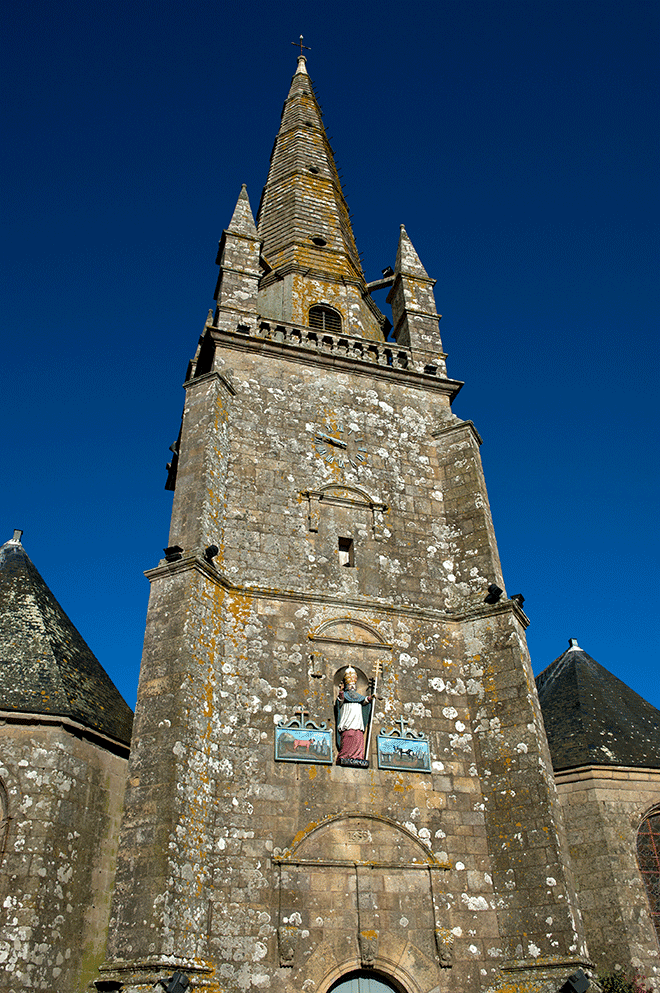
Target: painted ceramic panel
x,y
404,754
300,745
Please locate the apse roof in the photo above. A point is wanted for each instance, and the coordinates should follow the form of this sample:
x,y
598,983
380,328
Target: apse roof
x,y
45,665
593,718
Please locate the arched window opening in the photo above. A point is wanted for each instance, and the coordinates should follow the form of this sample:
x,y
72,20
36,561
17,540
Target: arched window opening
x,y
648,856
362,982
323,318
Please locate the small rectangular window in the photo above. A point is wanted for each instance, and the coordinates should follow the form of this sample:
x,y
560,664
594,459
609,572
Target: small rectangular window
x,y
346,555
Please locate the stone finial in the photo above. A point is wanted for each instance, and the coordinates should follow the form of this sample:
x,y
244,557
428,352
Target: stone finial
x,y
407,259
288,943
444,940
573,645
368,943
16,540
242,221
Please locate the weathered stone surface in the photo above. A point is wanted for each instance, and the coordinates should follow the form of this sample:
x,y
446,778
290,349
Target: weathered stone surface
x,y
604,808
351,519
64,732
64,796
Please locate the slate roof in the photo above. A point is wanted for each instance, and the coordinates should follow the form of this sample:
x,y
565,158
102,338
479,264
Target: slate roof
x,y
45,665
593,718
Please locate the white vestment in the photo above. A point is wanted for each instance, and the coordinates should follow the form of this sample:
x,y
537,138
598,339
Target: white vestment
x,y
350,718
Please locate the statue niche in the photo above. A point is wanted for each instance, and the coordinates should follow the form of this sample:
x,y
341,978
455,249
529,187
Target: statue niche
x,y
353,712
345,650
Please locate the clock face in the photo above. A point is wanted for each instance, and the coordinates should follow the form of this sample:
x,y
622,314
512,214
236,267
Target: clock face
x,y
341,447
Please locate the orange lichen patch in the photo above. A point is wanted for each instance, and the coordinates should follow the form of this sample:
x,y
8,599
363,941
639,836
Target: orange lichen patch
x,y
302,833
239,608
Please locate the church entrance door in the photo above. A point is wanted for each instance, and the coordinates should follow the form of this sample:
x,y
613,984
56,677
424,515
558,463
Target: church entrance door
x,y
362,982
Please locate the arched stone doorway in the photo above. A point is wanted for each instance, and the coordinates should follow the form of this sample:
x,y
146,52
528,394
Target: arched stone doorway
x,y
363,982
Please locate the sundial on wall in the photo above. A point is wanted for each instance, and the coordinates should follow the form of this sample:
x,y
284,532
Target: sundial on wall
x,y
341,447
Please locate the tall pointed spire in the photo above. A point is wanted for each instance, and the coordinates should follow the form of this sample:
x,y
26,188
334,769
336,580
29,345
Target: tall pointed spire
x,y
304,224
407,259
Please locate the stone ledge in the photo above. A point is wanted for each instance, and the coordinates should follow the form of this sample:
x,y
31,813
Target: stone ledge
x,y
352,863
597,772
69,725
477,612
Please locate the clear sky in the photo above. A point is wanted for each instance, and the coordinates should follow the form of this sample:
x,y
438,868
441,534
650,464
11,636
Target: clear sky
x,y
517,141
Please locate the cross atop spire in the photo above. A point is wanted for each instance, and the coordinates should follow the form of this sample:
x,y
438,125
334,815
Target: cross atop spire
x,y
300,43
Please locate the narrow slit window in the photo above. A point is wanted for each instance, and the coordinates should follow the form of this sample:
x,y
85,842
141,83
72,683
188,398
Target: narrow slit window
x,y
346,552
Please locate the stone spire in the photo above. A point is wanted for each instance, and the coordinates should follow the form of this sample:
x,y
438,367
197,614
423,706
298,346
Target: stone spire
x,y
407,259
238,258
242,221
304,224
413,305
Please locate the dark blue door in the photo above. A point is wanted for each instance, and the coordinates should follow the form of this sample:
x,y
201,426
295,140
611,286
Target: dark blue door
x,y
361,982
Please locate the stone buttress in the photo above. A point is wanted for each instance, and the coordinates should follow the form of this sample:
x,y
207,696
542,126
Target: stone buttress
x,y
329,509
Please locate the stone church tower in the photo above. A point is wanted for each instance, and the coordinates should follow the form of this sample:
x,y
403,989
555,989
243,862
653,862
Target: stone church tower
x,y
330,512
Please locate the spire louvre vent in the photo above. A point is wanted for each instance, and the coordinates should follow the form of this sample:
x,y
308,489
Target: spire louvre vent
x,y
324,319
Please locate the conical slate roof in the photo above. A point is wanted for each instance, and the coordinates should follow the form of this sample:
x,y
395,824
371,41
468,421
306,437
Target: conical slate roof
x,y
45,666
303,198
592,718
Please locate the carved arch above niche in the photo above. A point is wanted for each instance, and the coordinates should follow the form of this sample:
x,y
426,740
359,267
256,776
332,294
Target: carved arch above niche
x,y
342,641
344,496
349,631
354,838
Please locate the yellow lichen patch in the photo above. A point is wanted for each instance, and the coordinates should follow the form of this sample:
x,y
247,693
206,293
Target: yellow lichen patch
x,y
305,831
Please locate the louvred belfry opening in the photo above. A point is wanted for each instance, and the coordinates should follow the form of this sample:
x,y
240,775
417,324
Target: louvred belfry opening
x,y
325,319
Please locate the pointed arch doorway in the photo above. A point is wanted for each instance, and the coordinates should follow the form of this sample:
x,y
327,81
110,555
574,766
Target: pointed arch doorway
x,y
363,982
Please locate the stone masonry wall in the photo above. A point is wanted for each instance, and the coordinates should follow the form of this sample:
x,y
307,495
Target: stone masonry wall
x,y
64,799
423,554
254,873
604,808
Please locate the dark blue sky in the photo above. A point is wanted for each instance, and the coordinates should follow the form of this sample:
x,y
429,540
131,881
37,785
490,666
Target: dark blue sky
x,y
518,143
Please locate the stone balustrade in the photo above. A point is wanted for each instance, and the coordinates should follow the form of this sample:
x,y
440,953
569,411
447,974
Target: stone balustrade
x,y
382,353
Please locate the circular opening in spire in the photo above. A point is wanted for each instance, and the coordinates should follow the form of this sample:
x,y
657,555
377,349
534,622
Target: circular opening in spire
x,y
319,241
314,169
